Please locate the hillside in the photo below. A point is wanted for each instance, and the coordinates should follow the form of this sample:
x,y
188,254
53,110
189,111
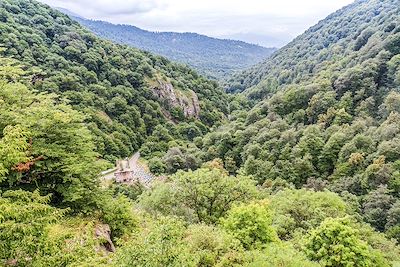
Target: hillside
x,y
298,172
341,38
323,114
124,92
326,113
215,58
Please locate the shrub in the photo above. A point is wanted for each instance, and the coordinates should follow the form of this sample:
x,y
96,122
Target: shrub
x,y
251,224
118,214
336,243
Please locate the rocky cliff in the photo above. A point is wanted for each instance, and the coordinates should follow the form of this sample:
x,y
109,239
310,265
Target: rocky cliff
x,y
173,98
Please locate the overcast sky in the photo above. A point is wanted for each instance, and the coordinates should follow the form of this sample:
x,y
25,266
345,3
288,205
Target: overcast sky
x,y
266,22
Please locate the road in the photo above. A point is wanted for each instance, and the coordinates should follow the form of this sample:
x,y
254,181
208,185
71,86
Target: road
x,y
133,161
138,171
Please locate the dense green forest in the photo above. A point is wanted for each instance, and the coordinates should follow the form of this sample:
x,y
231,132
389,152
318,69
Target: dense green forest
x,y
344,39
215,58
112,84
295,171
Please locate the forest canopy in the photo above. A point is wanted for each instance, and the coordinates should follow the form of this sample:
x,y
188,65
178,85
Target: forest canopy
x,y
301,170
114,85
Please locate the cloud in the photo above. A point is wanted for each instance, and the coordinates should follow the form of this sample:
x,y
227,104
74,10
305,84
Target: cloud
x,y
123,7
101,8
267,22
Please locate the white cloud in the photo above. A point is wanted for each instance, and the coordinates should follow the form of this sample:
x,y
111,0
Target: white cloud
x,y
99,8
274,22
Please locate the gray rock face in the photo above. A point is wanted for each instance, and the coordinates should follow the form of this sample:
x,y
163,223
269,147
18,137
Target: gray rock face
x,y
187,101
103,232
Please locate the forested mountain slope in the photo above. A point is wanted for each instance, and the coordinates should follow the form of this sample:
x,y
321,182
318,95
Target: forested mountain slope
x,y
348,37
309,176
125,93
327,114
212,57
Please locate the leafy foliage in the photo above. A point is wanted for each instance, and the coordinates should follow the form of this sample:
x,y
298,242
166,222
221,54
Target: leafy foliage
x,y
302,210
336,243
159,247
212,246
251,224
46,145
324,113
118,214
277,254
265,174
204,195
23,218
113,84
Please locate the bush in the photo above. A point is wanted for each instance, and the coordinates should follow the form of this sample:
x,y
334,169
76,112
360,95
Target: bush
x,y
301,210
204,195
211,246
72,242
24,217
130,191
278,254
251,224
118,214
158,245
336,243
157,166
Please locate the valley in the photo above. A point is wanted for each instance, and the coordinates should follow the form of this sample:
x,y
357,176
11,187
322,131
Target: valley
x,y
111,155
212,57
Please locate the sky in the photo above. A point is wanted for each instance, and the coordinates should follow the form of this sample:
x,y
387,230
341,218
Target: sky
x,y
271,23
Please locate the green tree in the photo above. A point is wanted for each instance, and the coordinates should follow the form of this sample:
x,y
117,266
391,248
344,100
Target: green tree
x,y
24,217
203,195
13,149
46,145
278,254
302,210
376,206
159,247
118,214
211,192
157,166
336,243
211,246
251,224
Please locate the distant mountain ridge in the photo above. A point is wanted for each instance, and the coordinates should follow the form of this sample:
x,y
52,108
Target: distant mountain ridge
x,y
69,12
215,58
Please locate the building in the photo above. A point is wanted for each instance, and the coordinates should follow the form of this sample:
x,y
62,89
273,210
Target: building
x,y
124,172
129,171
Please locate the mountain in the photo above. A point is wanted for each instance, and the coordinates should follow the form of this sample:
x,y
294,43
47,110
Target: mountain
x,y
277,40
69,13
212,57
324,113
124,93
302,168
341,35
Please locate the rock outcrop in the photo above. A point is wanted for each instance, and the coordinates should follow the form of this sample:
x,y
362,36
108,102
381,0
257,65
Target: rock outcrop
x,y
186,100
103,232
